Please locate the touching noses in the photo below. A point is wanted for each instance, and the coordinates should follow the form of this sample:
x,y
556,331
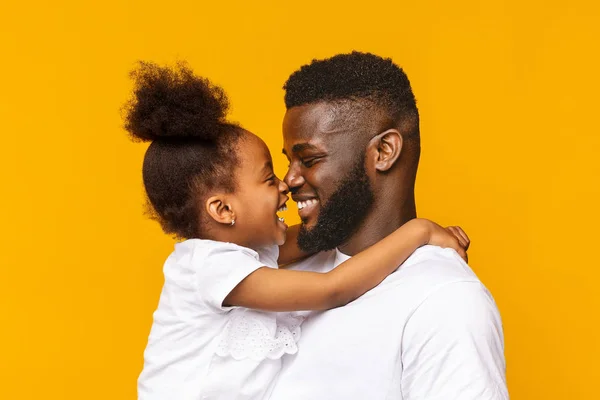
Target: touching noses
x,y
283,187
293,179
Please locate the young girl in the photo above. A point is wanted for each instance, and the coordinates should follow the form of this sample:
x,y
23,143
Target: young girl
x,y
217,333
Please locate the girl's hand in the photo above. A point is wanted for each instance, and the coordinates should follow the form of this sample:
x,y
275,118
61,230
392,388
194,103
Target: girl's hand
x,y
462,237
453,237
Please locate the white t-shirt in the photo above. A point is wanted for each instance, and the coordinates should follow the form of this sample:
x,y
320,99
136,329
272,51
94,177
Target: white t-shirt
x,y
429,331
198,349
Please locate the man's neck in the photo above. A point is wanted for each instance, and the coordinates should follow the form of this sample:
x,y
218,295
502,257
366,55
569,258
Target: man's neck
x,y
378,224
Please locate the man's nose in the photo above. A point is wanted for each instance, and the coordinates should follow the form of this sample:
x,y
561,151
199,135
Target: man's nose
x,y
293,179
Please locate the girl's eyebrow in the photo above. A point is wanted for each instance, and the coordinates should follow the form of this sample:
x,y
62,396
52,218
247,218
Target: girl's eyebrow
x,y
267,168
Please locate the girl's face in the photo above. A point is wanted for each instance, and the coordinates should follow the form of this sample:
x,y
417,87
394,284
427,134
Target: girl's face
x,y
258,197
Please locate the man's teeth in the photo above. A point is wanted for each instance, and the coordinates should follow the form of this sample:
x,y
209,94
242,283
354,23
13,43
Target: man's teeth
x,y
281,219
302,204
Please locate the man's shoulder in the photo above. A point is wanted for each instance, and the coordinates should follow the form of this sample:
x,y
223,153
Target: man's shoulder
x,y
432,266
426,272
319,262
428,265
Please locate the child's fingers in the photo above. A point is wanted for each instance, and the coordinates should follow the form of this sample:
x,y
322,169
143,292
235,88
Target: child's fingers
x,y
461,240
463,254
466,239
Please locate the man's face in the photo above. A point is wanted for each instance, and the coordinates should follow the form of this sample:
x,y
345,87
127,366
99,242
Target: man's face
x,y
326,176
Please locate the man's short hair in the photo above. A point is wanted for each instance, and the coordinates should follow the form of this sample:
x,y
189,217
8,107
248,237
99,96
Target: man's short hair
x,y
358,78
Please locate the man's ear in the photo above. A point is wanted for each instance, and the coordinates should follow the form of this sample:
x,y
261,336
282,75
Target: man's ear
x,y
388,146
219,209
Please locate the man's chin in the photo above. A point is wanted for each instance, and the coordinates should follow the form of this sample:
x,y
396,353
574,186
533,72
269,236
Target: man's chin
x,y
308,223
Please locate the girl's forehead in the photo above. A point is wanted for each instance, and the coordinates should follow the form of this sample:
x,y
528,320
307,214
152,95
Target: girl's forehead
x,y
254,152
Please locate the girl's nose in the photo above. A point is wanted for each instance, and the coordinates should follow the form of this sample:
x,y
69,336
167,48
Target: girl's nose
x,y
283,187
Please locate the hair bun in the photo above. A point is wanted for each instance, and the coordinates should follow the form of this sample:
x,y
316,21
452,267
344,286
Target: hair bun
x,y
173,103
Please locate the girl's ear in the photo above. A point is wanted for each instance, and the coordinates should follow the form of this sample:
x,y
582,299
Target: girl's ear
x,y
220,210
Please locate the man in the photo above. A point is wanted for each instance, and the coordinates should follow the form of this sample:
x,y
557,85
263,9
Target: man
x,y
431,330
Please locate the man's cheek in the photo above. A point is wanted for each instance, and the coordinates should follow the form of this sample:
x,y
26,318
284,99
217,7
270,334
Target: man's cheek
x,y
319,180
324,185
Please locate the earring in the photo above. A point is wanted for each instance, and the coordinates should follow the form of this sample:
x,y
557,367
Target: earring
x,y
232,222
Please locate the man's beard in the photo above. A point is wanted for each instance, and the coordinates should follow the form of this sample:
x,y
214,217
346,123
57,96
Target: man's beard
x,y
343,213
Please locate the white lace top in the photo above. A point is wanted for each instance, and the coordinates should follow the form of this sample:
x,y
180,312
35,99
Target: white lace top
x,y
198,349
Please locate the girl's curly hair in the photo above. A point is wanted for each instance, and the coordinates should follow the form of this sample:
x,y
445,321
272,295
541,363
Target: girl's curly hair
x,y
192,148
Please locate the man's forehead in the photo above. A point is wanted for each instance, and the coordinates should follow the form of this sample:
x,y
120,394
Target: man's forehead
x,y
310,117
316,124
298,145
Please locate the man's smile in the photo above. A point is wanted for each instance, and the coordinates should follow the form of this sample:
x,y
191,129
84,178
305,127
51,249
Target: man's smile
x,y
307,207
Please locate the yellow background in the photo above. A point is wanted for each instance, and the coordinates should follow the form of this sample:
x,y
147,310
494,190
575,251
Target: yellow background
x,y
508,93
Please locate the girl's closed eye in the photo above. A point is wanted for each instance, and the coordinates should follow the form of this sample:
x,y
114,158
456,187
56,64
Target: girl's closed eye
x,y
271,180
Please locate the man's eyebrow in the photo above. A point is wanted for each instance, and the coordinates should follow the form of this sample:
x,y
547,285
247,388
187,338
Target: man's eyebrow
x,y
300,147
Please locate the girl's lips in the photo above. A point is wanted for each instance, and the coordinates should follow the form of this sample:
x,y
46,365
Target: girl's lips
x,y
281,209
280,221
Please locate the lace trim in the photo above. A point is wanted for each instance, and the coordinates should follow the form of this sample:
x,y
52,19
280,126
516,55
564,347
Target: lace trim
x,y
259,335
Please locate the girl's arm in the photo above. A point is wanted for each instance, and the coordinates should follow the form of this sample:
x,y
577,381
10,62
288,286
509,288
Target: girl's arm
x,y
287,290
289,252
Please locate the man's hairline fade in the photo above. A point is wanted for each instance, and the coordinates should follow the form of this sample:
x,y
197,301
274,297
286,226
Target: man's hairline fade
x,y
366,82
